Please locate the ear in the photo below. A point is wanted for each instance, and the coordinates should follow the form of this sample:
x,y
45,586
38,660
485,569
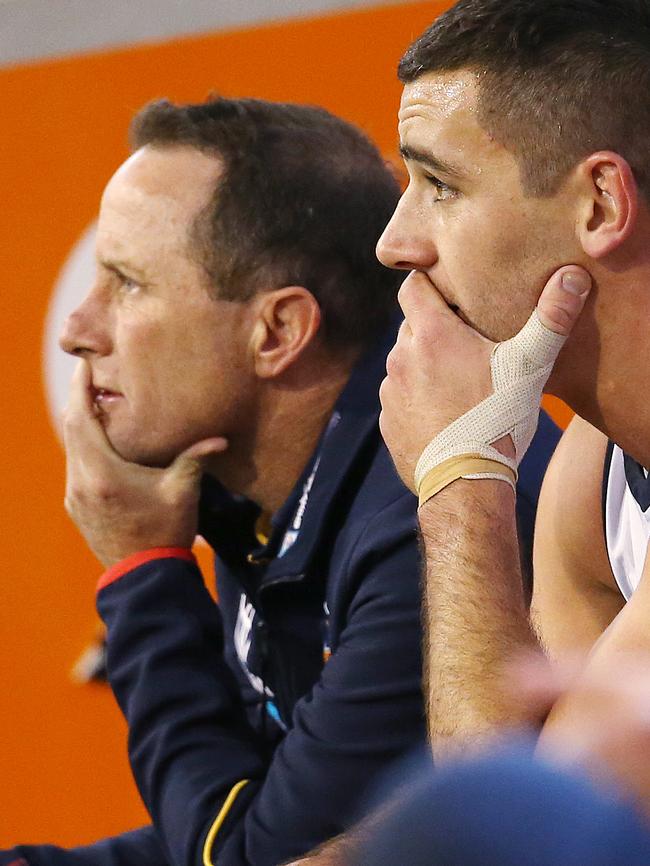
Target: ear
x,y
287,322
610,203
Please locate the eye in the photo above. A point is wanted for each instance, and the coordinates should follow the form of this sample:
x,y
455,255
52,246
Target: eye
x,y
127,284
443,192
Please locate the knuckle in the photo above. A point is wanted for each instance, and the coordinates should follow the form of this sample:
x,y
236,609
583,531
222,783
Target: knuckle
x,y
98,489
382,393
394,362
403,293
407,298
103,492
560,314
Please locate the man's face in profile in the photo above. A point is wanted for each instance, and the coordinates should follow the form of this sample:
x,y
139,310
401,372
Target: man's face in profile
x,y
464,219
167,360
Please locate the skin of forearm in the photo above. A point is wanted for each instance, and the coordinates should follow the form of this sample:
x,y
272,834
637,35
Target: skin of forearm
x,y
346,849
340,851
475,615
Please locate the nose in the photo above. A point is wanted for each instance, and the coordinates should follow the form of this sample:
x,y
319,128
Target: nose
x,y
85,330
407,242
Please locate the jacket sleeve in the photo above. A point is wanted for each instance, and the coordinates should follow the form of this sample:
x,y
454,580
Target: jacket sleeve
x,y
140,846
192,751
190,747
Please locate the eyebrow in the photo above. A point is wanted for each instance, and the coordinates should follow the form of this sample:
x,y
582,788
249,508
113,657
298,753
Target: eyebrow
x,y
412,154
122,268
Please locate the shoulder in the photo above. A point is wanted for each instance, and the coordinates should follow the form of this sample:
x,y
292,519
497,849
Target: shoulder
x,y
570,507
575,596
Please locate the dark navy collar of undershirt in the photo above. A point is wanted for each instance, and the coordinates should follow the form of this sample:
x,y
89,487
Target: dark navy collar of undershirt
x,y
638,481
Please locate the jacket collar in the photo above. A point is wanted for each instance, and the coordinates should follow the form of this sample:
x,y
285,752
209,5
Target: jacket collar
x,y
308,514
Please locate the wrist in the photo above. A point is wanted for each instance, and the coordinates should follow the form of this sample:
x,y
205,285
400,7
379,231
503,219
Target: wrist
x,y
468,467
465,498
142,557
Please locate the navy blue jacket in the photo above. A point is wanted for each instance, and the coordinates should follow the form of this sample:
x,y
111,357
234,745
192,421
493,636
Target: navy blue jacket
x,y
304,681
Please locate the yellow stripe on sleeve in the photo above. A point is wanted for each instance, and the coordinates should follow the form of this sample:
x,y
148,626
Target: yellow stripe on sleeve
x,y
218,821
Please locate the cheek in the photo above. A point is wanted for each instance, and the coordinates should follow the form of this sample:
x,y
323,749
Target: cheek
x,y
523,254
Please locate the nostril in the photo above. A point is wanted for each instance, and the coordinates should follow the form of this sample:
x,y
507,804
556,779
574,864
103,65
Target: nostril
x,y
70,345
75,336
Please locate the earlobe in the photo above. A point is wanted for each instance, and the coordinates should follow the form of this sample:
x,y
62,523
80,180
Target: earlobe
x,y
611,203
288,321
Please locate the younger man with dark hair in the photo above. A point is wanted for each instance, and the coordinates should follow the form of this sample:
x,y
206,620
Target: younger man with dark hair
x,y
524,126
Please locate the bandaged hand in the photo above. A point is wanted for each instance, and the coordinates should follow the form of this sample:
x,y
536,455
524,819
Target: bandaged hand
x,y
451,394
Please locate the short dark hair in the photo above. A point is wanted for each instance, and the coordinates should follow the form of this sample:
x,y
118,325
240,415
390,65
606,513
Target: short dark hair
x,y
303,199
558,79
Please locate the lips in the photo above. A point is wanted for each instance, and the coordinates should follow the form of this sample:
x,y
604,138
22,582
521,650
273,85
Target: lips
x,y
453,307
102,396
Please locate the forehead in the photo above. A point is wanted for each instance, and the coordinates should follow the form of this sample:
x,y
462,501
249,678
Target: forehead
x,y
438,115
155,196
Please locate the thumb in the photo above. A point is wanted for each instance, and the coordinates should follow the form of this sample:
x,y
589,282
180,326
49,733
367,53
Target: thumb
x,y
563,298
190,464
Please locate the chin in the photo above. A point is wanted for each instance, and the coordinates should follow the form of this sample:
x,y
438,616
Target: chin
x,y
491,331
140,453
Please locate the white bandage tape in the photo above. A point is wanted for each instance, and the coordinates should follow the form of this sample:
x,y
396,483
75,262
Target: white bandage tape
x,y
520,367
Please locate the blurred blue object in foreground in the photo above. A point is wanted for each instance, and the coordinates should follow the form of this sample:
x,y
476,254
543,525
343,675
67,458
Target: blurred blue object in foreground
x,y
507,809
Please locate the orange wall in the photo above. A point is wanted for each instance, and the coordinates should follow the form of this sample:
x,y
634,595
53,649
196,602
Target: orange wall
x,y
64,773
63,768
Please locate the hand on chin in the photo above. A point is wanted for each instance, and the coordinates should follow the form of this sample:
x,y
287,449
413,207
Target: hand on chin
x,y
125,500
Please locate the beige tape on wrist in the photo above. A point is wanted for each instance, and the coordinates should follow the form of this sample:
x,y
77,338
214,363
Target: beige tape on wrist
x,y
469,466
519,368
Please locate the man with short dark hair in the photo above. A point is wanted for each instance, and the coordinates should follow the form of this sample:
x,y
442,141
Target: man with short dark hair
x,y
524,126
237,332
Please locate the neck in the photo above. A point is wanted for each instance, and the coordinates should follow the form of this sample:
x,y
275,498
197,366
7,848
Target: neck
x,y
265,464
603,374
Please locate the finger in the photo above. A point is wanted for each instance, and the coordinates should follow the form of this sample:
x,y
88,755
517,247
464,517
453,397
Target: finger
x,y
419,298
563,299
190,464
79,395
81,424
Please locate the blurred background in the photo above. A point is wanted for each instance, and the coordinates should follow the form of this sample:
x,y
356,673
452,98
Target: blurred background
x,y
72,73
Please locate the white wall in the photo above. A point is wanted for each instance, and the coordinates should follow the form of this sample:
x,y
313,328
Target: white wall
x,y
34,29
